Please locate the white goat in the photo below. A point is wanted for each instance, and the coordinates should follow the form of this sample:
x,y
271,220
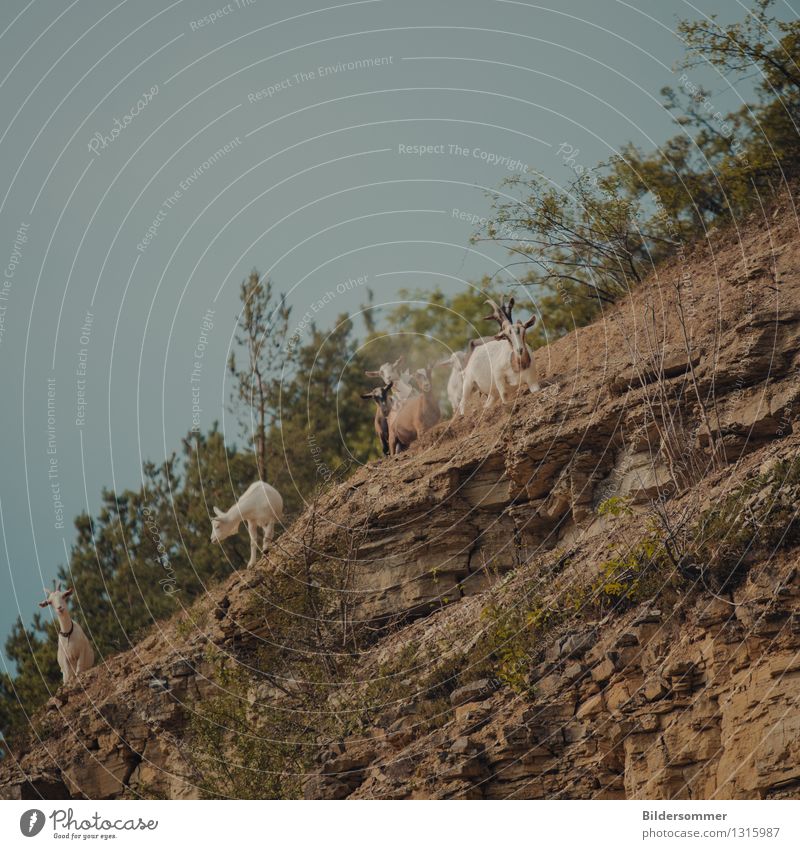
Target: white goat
x,y
501,364
402,387
455,383
261,506
75,653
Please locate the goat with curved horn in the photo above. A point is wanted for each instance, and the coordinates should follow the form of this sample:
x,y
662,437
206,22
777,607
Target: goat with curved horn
x,y
503,363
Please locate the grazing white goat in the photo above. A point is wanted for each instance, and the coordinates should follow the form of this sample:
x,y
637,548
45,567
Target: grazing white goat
x,y
402,388
502,364
380,395
261,506
75,653
416,416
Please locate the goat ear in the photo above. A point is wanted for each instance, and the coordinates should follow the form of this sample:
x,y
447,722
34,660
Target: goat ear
x,y
69,592
530,322
218,512
44,603
367,397
372,373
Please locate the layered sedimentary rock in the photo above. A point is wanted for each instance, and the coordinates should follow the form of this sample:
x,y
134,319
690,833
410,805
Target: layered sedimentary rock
x,y
696,382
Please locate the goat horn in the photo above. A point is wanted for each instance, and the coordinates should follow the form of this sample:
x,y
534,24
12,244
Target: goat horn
x,y
496,314
505,308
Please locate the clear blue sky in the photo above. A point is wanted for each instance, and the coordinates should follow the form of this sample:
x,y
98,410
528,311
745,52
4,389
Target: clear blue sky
x,y
315,187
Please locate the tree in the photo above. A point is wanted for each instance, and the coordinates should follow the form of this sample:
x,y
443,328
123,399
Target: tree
x,y
142,558
262,338
36,675
722,165
765,46
598,236
324,426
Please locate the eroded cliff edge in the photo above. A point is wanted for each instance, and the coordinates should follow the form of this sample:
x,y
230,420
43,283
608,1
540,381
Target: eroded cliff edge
x,y
593,594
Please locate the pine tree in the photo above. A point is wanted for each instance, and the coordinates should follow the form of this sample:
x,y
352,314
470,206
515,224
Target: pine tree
x,y
263,364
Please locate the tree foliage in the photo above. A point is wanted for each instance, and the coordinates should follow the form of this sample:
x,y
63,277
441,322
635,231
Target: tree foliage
x,y
146,553
595,238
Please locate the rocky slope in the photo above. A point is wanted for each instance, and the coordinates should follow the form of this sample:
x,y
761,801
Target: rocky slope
x,y
591,594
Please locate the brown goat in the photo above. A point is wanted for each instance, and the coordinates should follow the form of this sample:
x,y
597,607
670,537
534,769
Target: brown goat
x,y
380,395
417,416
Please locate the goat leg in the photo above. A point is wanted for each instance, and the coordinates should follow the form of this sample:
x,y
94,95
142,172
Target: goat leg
x,y
252,529
269,532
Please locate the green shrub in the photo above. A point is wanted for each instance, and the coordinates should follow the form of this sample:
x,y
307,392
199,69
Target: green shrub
x,y
243,749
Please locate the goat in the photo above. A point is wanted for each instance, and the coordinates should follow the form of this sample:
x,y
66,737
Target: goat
x,y
455,383
416,416
382,408
75,654
391,373
261,506
502,363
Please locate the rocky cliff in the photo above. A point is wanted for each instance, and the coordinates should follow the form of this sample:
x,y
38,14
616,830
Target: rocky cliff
x,y
591,594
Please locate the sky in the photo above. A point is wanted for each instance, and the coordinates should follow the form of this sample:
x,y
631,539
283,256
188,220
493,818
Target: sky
x,y
153,153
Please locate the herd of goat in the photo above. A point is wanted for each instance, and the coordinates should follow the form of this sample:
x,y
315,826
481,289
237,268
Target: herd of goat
x,y
406,407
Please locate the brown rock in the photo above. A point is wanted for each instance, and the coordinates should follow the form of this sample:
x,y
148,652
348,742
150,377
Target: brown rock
x,y
591,707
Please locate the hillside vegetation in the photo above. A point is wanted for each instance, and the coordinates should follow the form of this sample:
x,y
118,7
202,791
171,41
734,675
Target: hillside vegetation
x,y
593,594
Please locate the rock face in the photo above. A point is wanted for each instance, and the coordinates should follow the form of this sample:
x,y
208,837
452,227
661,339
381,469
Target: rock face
x,y
694,700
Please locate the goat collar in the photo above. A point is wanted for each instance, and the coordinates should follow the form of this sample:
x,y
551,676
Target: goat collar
x,y
69,633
